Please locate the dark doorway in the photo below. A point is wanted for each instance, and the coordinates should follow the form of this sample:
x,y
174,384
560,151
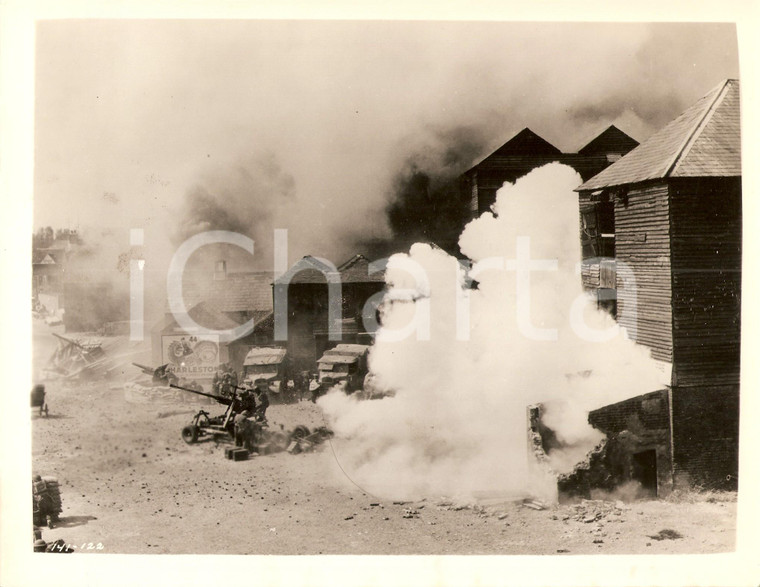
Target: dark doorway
x,y
645,472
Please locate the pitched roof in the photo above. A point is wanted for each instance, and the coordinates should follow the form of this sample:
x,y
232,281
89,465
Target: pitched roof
x,y
704,141
48,256
307,270
202,314
237,292
526,142
356,270
610,140
312,270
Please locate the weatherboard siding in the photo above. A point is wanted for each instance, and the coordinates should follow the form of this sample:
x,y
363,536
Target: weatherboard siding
x,y
706,263
642,244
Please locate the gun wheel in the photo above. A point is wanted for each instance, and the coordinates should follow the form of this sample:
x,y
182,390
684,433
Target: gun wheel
x,y
190,434
299,432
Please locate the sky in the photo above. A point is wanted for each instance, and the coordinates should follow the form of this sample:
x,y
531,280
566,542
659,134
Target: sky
x,y
179,126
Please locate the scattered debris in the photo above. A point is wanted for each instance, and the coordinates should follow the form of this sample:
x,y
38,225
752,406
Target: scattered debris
x,y
666,534
533,504
88,358
594,510
410,513
348,518
304,441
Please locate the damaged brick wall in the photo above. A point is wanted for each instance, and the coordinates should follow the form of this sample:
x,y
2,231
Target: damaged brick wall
x,y
637,449
706,437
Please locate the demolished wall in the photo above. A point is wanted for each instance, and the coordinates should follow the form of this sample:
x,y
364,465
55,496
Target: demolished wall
x,y
637,450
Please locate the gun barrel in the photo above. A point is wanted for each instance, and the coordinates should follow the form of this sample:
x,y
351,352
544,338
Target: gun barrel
x,y
221,399
145,368
63,338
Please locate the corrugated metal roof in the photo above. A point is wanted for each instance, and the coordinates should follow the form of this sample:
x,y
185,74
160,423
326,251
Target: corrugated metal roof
x,y
704,141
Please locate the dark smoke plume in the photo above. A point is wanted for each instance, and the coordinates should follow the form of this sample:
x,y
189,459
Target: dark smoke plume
x,y
427,203
244,198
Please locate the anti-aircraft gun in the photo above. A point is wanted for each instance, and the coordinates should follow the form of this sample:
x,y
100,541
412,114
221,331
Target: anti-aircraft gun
x,y
160,375
203,424
267,440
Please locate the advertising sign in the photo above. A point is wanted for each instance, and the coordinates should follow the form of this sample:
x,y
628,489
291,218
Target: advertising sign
x,y
191,357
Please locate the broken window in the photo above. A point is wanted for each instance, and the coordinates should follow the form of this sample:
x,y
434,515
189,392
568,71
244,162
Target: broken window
x,y
598,228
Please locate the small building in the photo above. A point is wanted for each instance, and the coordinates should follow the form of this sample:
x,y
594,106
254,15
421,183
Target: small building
x,y
49,272
307,289
222,301
661,233
527,151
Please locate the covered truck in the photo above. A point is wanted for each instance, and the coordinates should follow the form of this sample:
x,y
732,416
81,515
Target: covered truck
x,y
270,363
345,364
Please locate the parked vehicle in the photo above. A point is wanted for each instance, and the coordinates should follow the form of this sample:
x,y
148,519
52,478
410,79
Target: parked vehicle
x,y
272,364
346,364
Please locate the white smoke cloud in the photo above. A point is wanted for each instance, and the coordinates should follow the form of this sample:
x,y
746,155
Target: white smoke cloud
x,y
457,423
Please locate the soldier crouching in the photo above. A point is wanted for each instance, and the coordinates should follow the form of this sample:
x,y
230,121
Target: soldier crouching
x,y
245,428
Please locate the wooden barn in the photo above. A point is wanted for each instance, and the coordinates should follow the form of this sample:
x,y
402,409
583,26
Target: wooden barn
x,y
305,286
526,151
661,234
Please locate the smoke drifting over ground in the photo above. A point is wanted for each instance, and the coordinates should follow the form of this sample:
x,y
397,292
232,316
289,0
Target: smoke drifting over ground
x,y
457,423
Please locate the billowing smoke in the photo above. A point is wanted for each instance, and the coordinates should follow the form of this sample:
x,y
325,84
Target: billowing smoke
x,y
244,198
465,374
426,201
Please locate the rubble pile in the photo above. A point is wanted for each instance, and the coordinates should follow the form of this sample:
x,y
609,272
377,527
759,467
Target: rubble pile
x,y
595,510
590,473
301,440
88,357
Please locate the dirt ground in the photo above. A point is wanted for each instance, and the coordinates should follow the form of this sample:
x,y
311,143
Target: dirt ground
x,y
131,485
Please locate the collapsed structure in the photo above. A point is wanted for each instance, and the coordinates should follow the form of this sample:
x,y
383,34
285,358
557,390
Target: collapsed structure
x,y
661,233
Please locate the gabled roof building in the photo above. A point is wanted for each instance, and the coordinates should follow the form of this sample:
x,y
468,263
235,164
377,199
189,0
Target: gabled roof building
x,y
527,151
661,234
304,296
